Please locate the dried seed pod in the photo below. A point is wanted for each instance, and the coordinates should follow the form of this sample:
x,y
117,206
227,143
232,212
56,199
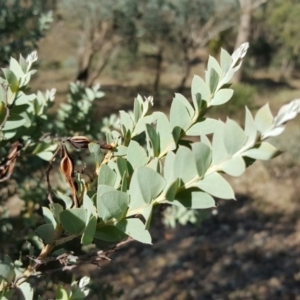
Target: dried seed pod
x,y
105,146
7,167
79,142
67,169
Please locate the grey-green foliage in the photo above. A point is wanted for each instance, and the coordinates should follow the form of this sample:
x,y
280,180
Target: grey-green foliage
x,y
24,110
150,160
75,116
164,168
21,26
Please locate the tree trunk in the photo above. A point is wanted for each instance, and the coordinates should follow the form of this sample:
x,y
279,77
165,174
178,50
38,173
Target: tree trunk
x,y
187,70
159,62
243,30
85,66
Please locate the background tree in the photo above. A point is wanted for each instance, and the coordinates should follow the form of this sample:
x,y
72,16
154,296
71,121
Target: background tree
x,y
22,24
247,7
284,34
104,27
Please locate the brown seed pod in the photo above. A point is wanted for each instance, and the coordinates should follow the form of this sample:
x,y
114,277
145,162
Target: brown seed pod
x,y
79,142
67,169
105,146
7,166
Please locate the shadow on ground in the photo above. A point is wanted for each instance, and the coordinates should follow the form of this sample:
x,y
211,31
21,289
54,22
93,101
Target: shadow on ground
x,y
241,253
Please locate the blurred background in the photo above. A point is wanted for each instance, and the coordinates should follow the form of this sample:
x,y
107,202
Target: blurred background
x,y
248,249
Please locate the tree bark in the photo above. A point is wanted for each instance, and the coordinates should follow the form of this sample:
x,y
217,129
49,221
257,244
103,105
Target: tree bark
x,y
244,30
187,70
159,62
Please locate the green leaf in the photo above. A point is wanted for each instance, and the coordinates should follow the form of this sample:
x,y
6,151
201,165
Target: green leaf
x,y
89,232
186,103
147,214
56,209
46,232
112,204
250,129
145,186
15,68
120,151
3,93
74,220
113,166
26,290
136,155
88,204
122,166
95,149
234,137
205,126
137,110
141,124
7,135
213,63
193,198
23,63
154,139
48,216
235,166
3,112
11,79
199,87
264,118
126,121
226,79
219,153
14,121
203,157
215,185
265,151
45,155
154,164
179,115
204,139
172,189
183,158
222,96
110,233
23,99
226,60
7,272
66,199
164,131
106,176
61,294
213,80
169,174
124,186
135,229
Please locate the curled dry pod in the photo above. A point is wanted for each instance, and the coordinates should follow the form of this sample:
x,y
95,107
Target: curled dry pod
x,y
7,167
67,169
79,142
